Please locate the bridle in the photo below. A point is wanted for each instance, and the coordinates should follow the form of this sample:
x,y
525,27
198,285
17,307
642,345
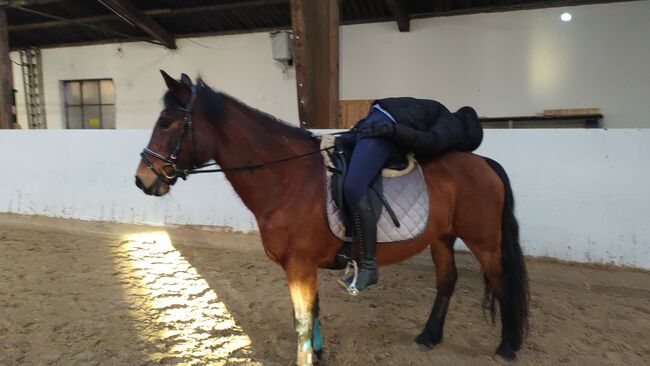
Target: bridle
x,y
170,171
170,162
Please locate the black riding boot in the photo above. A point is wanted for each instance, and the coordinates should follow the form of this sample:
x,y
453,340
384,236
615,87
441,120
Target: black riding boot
x,y
364,232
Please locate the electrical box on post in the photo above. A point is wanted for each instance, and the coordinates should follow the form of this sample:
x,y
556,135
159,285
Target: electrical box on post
x,y
282,45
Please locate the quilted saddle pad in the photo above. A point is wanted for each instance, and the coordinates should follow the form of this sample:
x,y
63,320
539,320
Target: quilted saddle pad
x,y
407,196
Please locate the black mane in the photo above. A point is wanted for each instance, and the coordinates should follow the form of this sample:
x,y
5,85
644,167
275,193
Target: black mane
x,y
213,105
213,101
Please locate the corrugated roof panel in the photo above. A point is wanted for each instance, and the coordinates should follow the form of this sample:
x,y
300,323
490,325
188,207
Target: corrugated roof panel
x,y
185,17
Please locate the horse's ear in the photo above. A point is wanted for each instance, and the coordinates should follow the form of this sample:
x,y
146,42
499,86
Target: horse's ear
x,y
172,84
186,80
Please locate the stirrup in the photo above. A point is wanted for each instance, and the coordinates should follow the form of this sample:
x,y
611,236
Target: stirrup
x,y
351,288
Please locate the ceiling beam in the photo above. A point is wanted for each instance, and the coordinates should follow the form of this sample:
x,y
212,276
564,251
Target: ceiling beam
x,y
157,13
61,23
18,3
130,13
219,7
401,14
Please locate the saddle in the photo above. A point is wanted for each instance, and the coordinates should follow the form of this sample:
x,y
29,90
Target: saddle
x,y
399,196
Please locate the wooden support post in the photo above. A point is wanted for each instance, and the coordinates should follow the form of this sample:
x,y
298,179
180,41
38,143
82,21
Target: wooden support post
x,y
6,83
315,26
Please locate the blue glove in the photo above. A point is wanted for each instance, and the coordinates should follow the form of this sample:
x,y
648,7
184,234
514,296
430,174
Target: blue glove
x,y
377,128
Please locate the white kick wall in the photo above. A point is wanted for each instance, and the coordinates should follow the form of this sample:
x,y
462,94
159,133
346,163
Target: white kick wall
x,y
581,195
503,64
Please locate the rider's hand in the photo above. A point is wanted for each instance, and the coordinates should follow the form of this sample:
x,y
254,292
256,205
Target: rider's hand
x,y
377,128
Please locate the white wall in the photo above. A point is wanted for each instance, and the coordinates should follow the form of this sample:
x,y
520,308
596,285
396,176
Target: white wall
x,y
514,63
90,175
581,195
240,65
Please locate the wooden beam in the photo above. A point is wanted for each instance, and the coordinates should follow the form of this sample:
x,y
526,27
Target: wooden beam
x,y
219,7
156,13
61,23
315,26
129,12
18,3
6,83
401,14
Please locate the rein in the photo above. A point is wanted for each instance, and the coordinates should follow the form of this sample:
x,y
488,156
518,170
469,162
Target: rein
x,y
253,166
170,163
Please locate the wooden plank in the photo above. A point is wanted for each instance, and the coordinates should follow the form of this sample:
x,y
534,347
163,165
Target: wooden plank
x,y
315,26
541,118
571,112
351,111
129,12
6,83
401,14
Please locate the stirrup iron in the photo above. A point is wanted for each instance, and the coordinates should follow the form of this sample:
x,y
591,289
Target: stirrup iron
x,y
352,287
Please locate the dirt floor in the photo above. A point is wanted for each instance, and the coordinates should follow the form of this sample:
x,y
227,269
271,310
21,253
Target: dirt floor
x,y
87,293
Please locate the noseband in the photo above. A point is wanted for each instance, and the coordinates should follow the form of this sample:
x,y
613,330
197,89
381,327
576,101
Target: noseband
x,y
170,162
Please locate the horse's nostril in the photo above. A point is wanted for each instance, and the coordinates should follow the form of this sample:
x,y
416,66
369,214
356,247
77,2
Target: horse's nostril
x,y
138,183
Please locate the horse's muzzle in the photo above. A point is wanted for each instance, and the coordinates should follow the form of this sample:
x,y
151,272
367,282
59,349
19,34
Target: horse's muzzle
x,y
155,189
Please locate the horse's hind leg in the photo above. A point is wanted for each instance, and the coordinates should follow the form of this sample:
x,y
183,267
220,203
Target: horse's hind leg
x,y
442,253
488,253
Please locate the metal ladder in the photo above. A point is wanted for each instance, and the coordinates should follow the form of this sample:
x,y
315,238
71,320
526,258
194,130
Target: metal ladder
x,y
32,69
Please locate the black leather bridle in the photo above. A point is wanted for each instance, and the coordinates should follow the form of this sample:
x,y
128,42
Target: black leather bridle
x,y
170,171
173,172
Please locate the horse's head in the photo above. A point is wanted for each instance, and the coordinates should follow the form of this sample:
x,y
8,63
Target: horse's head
x,y
181,138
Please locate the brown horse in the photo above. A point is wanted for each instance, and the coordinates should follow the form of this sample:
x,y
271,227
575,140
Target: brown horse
x,y
470,198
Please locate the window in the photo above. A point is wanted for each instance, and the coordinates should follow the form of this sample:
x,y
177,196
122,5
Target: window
x,y
89,104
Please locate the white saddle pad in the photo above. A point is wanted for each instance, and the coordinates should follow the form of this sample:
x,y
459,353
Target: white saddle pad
x,y
407,196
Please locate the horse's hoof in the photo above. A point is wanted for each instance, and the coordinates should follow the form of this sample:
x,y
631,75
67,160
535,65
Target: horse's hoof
x,y
306,358
319,355
427,342
506,352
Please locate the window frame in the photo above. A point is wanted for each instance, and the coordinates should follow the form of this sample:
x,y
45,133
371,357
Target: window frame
x,y
81,104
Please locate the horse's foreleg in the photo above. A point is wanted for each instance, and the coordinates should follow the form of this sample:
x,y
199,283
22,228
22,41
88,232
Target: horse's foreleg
x,y
317,339
302,278
442,253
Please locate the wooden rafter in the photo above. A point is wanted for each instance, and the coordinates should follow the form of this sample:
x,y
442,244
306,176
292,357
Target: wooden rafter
x,y
16,3
219,7
61,23
157,13
401,14
130,13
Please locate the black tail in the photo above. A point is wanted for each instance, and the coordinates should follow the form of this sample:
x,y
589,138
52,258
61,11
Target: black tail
x,y
514,279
